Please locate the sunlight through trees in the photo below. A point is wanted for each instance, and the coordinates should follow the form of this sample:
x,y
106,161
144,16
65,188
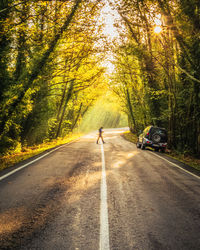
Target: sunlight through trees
x,y
58,58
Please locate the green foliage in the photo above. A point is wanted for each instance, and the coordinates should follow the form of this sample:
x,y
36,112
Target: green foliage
x,y
157,75
51,74
51,63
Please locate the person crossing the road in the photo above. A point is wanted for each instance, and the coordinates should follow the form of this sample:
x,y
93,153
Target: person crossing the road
x,y
100,135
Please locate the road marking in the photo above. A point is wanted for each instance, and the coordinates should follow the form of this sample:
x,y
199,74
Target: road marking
x,y
198,177
29,163
104,226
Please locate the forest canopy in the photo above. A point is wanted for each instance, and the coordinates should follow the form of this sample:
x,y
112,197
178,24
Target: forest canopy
x,y
53,70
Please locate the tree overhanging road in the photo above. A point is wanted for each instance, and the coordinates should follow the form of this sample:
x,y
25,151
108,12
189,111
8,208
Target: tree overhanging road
x,y
61,201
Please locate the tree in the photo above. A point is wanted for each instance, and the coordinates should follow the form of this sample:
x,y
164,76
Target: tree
x,y
168,67
36,59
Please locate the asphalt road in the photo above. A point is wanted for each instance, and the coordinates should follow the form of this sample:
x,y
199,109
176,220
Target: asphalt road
x,y
89,196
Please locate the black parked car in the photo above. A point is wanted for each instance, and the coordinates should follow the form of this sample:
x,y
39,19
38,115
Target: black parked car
x,y
153,137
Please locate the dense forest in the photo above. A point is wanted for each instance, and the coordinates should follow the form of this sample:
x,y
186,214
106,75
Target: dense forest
x,y
158,68
51,70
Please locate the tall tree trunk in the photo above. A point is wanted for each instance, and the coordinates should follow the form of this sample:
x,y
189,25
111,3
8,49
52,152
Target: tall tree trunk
x,y
69,94
77,117
4,47
38,67
130,110
21,58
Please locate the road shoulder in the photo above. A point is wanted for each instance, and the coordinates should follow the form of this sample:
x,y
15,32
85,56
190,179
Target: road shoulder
x,y
167,157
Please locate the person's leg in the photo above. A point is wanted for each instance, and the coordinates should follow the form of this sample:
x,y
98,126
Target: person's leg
x,y
98,139
102,139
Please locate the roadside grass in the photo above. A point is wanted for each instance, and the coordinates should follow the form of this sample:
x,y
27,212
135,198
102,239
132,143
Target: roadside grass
x,y
27,152
187,159
130,137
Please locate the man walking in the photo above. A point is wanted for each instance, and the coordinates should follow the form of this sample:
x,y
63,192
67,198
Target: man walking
x,y
100,135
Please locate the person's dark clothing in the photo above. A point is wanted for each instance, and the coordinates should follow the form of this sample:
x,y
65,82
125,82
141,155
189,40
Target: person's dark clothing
x,y
100,131
100,135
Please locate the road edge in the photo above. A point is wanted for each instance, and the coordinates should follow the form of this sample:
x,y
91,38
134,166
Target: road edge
x,y
178,164
25,163
185,167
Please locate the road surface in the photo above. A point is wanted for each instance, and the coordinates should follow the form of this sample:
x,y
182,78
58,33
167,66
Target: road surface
x,y
110,196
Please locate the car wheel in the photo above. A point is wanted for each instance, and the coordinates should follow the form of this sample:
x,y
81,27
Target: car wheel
x,y
142,146
156,149
138,145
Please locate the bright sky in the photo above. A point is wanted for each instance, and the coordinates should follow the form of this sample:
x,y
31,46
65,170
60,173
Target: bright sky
x,y
158,23
157,20
108,18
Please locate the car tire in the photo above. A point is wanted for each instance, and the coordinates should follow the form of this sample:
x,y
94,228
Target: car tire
x,y
157,149
138,145
142,146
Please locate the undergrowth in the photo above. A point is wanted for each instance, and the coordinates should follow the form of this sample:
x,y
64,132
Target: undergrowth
x,y
27,152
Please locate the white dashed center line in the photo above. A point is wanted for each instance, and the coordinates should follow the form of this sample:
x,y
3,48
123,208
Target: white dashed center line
x,y
104,226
